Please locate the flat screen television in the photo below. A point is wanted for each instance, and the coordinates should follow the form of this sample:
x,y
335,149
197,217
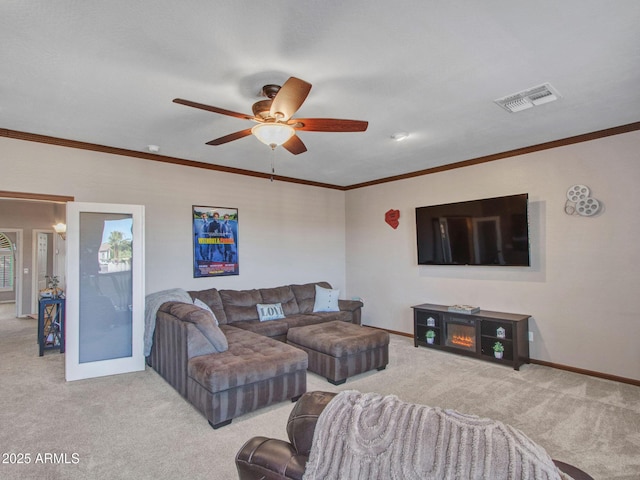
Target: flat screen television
x,y
489,231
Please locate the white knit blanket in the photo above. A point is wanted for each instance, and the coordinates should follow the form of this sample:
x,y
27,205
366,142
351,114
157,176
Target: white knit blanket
x,y
370,436
152,304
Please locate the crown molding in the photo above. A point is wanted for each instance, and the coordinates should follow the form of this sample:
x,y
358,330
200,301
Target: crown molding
x,y
40,197
33,137
63,142
631,127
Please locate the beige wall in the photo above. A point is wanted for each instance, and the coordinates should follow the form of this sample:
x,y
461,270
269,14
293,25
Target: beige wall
x,y
287,233
582,288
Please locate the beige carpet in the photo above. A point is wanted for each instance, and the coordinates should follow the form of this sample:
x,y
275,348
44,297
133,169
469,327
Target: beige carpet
x,y
135,426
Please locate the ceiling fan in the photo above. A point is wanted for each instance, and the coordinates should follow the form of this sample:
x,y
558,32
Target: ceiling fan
x,y
275,125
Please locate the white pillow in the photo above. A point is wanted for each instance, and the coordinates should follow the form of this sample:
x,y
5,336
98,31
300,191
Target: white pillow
x,y
269,311
199,303
326,300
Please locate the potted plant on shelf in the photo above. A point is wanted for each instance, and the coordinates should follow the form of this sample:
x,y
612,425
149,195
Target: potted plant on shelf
x,y
430,336
498,348
52,290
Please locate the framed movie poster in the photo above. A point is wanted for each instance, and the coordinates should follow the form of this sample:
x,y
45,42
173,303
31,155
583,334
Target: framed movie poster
x,y
215,241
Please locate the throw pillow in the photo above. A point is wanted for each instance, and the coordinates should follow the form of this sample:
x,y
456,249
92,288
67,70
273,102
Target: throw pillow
x,y
199,303
197,343
326,300
269,311
202,320
204,323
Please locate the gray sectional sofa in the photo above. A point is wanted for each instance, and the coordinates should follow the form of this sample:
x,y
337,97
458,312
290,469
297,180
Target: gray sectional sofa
x,y
242,363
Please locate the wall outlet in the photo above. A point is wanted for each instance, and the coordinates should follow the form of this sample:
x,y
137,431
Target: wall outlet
x,y
531,336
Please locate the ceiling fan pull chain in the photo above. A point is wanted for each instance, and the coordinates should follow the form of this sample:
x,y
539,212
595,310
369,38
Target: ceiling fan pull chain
x,y
273,163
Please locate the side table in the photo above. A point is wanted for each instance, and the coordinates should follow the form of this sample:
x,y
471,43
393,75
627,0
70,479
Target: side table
x,y
51,324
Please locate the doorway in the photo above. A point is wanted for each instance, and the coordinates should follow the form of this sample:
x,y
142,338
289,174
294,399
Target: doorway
x,y
24,215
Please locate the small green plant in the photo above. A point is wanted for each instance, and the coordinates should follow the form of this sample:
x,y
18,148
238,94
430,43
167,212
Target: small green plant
x,y
53,289
430,334
498,347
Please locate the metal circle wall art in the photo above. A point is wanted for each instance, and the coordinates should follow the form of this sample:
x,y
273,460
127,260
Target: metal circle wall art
x,y
579,202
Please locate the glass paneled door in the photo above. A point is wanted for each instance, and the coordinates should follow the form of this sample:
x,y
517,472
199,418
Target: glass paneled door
x,y
105,290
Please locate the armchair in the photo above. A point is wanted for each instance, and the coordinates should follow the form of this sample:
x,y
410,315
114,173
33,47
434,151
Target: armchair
x,y
263,458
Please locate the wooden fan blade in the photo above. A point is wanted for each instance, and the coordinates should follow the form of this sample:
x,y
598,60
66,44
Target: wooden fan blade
x,y
295,145
328,125
209,108
231,137
289,99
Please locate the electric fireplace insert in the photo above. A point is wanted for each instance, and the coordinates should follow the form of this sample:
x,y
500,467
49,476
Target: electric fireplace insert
x,y
461,333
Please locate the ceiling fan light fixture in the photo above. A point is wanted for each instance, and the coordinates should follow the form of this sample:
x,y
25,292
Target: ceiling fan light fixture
x,y
274,118
273,134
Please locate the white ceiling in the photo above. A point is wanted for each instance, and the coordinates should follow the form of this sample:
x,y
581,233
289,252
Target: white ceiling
x,y
107,72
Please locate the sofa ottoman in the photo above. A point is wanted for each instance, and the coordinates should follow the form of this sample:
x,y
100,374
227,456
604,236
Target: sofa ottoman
x,y
338,350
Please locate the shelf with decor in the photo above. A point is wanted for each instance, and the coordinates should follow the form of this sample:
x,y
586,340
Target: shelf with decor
x,y
428,322
495,332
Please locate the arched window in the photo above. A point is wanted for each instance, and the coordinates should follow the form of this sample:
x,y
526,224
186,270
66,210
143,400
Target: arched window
x,y
7,263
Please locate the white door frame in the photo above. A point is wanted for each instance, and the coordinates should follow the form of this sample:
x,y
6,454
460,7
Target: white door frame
x,y
74,370
34,266
19,263
58,264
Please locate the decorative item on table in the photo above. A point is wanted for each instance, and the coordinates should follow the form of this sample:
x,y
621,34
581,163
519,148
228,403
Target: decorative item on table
x,y
431,322
498,349
500,332
430,336
52,290
467,309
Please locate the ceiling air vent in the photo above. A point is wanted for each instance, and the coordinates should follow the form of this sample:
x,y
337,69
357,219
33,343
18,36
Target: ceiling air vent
x,y
535,96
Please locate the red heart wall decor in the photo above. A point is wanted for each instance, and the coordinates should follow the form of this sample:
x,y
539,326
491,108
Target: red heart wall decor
x,y
392,217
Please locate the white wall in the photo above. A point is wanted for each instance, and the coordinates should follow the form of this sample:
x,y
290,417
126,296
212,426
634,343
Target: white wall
x,y
288,233
582,289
